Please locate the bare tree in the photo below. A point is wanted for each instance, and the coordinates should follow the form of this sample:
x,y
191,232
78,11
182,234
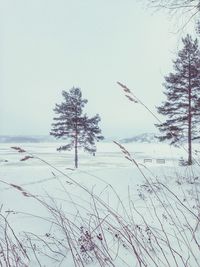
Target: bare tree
x,y
188,9
175,5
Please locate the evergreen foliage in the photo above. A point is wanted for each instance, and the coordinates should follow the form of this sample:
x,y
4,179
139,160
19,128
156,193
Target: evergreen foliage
x,y
72,125
182,89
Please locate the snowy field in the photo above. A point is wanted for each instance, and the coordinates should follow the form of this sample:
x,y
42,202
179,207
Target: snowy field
x,y
110,212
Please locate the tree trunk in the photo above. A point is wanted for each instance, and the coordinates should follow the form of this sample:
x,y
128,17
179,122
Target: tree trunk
x,y
76,146
76,142
189,140
76,153
189,121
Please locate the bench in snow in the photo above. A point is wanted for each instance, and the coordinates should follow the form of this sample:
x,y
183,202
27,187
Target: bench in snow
x,y
147,160
160,161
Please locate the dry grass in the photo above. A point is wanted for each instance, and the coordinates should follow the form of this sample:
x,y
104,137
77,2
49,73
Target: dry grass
x,y
99,234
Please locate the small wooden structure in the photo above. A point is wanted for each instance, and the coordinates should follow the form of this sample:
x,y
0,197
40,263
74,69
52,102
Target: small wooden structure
x,y
147,160
159,161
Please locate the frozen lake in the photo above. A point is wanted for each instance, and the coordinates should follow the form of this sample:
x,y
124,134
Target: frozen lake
x,y
107,155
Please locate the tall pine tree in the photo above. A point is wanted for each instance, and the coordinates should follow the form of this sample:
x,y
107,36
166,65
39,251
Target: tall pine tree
x,y
72,125
182,89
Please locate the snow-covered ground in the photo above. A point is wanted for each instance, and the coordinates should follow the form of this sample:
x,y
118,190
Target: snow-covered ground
x,y
108,211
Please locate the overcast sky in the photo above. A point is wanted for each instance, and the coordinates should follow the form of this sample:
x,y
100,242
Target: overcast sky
x,y
48,46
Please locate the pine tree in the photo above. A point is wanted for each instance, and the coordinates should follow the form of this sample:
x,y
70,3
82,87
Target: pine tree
x,y
72,125
182,89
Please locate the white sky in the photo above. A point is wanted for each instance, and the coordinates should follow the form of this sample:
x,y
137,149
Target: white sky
x,y
47,46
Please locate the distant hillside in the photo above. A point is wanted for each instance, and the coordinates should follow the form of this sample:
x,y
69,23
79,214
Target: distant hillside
x,y
141,138
34,139
25,139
